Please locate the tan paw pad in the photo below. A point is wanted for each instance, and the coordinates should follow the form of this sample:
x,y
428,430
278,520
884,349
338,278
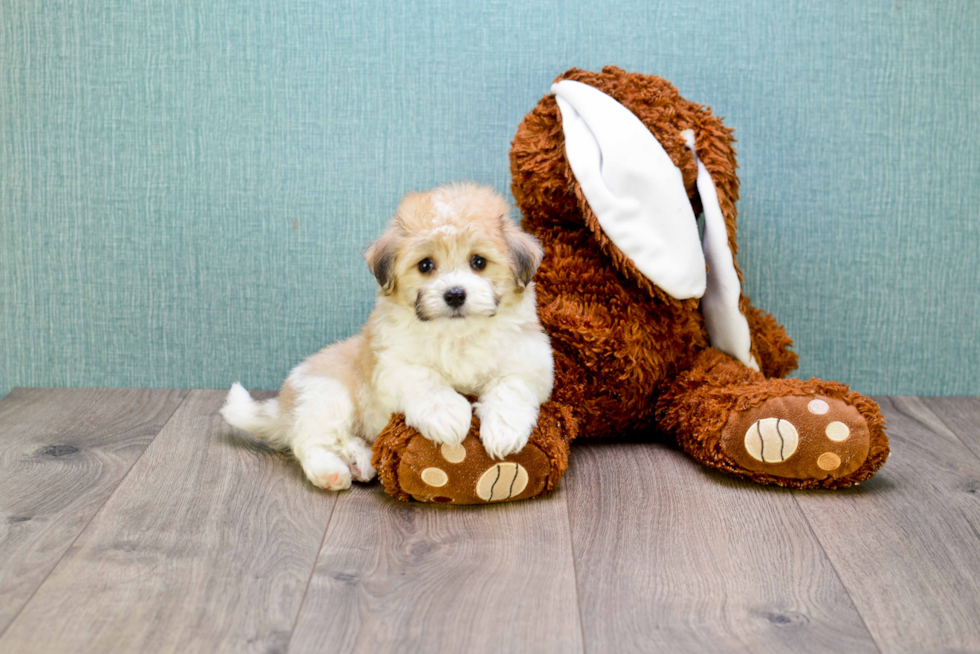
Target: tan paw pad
x,y
828,461
502,481
453,453
771,440
837,431
818,407
435,477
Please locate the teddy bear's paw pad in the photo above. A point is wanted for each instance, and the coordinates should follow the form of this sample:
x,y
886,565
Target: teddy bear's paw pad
x,y
771,440
502,481
452,453
798,437
466,474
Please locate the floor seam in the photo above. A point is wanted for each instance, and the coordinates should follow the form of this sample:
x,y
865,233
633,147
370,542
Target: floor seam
x,y
61,558
571,547
954,432
309,581
830,561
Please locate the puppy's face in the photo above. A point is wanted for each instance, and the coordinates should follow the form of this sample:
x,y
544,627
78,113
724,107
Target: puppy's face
x,y
452,253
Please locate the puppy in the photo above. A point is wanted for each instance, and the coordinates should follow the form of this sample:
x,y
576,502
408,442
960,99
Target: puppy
x,y
455,315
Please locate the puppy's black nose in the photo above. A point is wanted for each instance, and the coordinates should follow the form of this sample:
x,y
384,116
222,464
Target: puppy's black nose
x,y
455,297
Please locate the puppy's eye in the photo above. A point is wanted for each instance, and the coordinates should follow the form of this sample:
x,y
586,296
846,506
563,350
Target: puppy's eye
x,y
426,265
477,262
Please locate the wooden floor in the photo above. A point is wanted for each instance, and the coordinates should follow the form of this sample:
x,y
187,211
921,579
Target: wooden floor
x,y
133,521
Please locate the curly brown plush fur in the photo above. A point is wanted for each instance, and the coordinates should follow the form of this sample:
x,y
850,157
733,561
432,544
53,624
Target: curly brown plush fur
x,y
629,356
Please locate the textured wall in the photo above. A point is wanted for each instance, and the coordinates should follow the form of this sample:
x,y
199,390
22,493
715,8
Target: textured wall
x,y
185,186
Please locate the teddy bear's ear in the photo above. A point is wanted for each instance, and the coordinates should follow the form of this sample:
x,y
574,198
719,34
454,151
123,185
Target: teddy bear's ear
x,y
727,327
637,194
635,191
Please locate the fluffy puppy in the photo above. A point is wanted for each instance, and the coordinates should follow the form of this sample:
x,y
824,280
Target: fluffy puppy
x,y
455,315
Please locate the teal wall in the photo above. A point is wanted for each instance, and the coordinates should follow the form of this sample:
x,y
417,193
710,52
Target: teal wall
x,y
185,186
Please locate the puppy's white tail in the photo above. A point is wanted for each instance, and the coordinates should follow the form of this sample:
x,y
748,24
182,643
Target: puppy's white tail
x,y
257,418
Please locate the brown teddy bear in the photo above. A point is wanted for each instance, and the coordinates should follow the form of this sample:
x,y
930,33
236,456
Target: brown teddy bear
x,y
646,317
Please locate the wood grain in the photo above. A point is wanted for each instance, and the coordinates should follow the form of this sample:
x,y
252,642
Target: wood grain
x,y
674,558
209,541
906,544
206,546
961,415
395,577
62,453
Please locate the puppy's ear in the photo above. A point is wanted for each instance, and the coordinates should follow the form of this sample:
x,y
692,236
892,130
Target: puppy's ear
x,y
380,257
525,254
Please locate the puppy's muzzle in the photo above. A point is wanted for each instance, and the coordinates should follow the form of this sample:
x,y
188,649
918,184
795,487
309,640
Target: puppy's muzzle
x,y
455,297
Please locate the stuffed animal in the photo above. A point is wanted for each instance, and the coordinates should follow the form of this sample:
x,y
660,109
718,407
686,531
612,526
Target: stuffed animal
x,y
631,191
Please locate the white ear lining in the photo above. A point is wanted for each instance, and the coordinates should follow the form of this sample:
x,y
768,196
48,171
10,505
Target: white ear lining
x,y
634,189
637,194
727,327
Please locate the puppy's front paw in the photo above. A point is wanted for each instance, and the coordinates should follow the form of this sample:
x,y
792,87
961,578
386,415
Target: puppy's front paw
x,y
443,417
325,469
505,431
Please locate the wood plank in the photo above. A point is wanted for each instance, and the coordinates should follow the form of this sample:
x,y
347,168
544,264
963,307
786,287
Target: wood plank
x,y
961,415
207,546
62,453
396,577
906,544
672,557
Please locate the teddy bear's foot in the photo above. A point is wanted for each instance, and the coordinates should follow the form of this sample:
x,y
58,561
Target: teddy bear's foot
x,y
787,432
466,474
411,466
794,437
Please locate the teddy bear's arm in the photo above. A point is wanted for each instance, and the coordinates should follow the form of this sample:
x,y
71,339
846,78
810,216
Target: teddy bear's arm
x,y
411,466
